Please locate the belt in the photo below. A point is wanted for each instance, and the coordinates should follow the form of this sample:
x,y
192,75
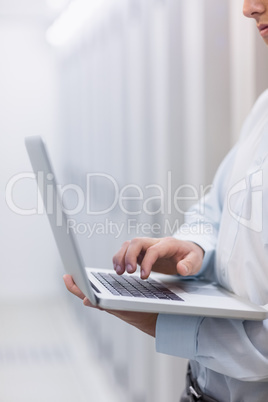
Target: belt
x,y
192,392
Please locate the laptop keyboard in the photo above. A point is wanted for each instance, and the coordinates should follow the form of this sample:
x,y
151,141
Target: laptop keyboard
x,y
133,286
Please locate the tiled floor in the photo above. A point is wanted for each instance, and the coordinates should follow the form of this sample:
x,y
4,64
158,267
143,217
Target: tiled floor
x,y
44,356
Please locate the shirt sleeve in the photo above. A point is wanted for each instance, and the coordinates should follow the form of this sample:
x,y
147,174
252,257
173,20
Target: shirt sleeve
x,y
238,349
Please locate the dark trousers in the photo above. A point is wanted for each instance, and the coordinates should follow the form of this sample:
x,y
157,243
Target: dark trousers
x,y
192,392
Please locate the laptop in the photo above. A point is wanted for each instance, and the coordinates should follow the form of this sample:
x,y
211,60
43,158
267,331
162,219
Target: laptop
x,y
103,287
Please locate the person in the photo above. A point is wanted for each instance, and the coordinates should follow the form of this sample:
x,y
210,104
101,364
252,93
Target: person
x,y
228,358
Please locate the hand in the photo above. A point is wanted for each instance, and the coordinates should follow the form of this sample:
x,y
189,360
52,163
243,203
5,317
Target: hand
x,y
145,322
166,255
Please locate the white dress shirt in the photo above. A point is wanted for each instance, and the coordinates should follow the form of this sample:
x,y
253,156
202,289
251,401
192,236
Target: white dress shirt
x,y
230,357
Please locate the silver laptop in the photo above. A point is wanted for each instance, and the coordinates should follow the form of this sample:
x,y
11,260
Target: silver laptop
x,y
103,287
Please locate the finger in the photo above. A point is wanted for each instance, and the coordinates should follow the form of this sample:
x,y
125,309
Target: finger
x,y
87,303
137,251
190,265
153,253
119,258
71,286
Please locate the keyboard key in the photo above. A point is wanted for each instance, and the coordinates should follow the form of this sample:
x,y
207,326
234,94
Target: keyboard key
x,y
135,287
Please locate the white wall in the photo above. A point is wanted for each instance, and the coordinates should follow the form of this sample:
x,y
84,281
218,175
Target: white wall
x,y
28,106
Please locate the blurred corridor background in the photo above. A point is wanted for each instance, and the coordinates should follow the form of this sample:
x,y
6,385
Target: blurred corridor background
x,y
140,96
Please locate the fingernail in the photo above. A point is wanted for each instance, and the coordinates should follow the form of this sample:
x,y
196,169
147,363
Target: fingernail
x,y
129,268
186,269
118,269
142,273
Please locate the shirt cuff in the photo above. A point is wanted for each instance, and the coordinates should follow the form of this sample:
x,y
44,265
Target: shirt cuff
x,y
176,335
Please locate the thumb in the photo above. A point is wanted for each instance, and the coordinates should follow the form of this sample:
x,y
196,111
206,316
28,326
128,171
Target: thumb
x,y
190,265
184,267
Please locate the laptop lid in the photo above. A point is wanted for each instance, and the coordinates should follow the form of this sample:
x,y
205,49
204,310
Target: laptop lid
x,y
65,240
